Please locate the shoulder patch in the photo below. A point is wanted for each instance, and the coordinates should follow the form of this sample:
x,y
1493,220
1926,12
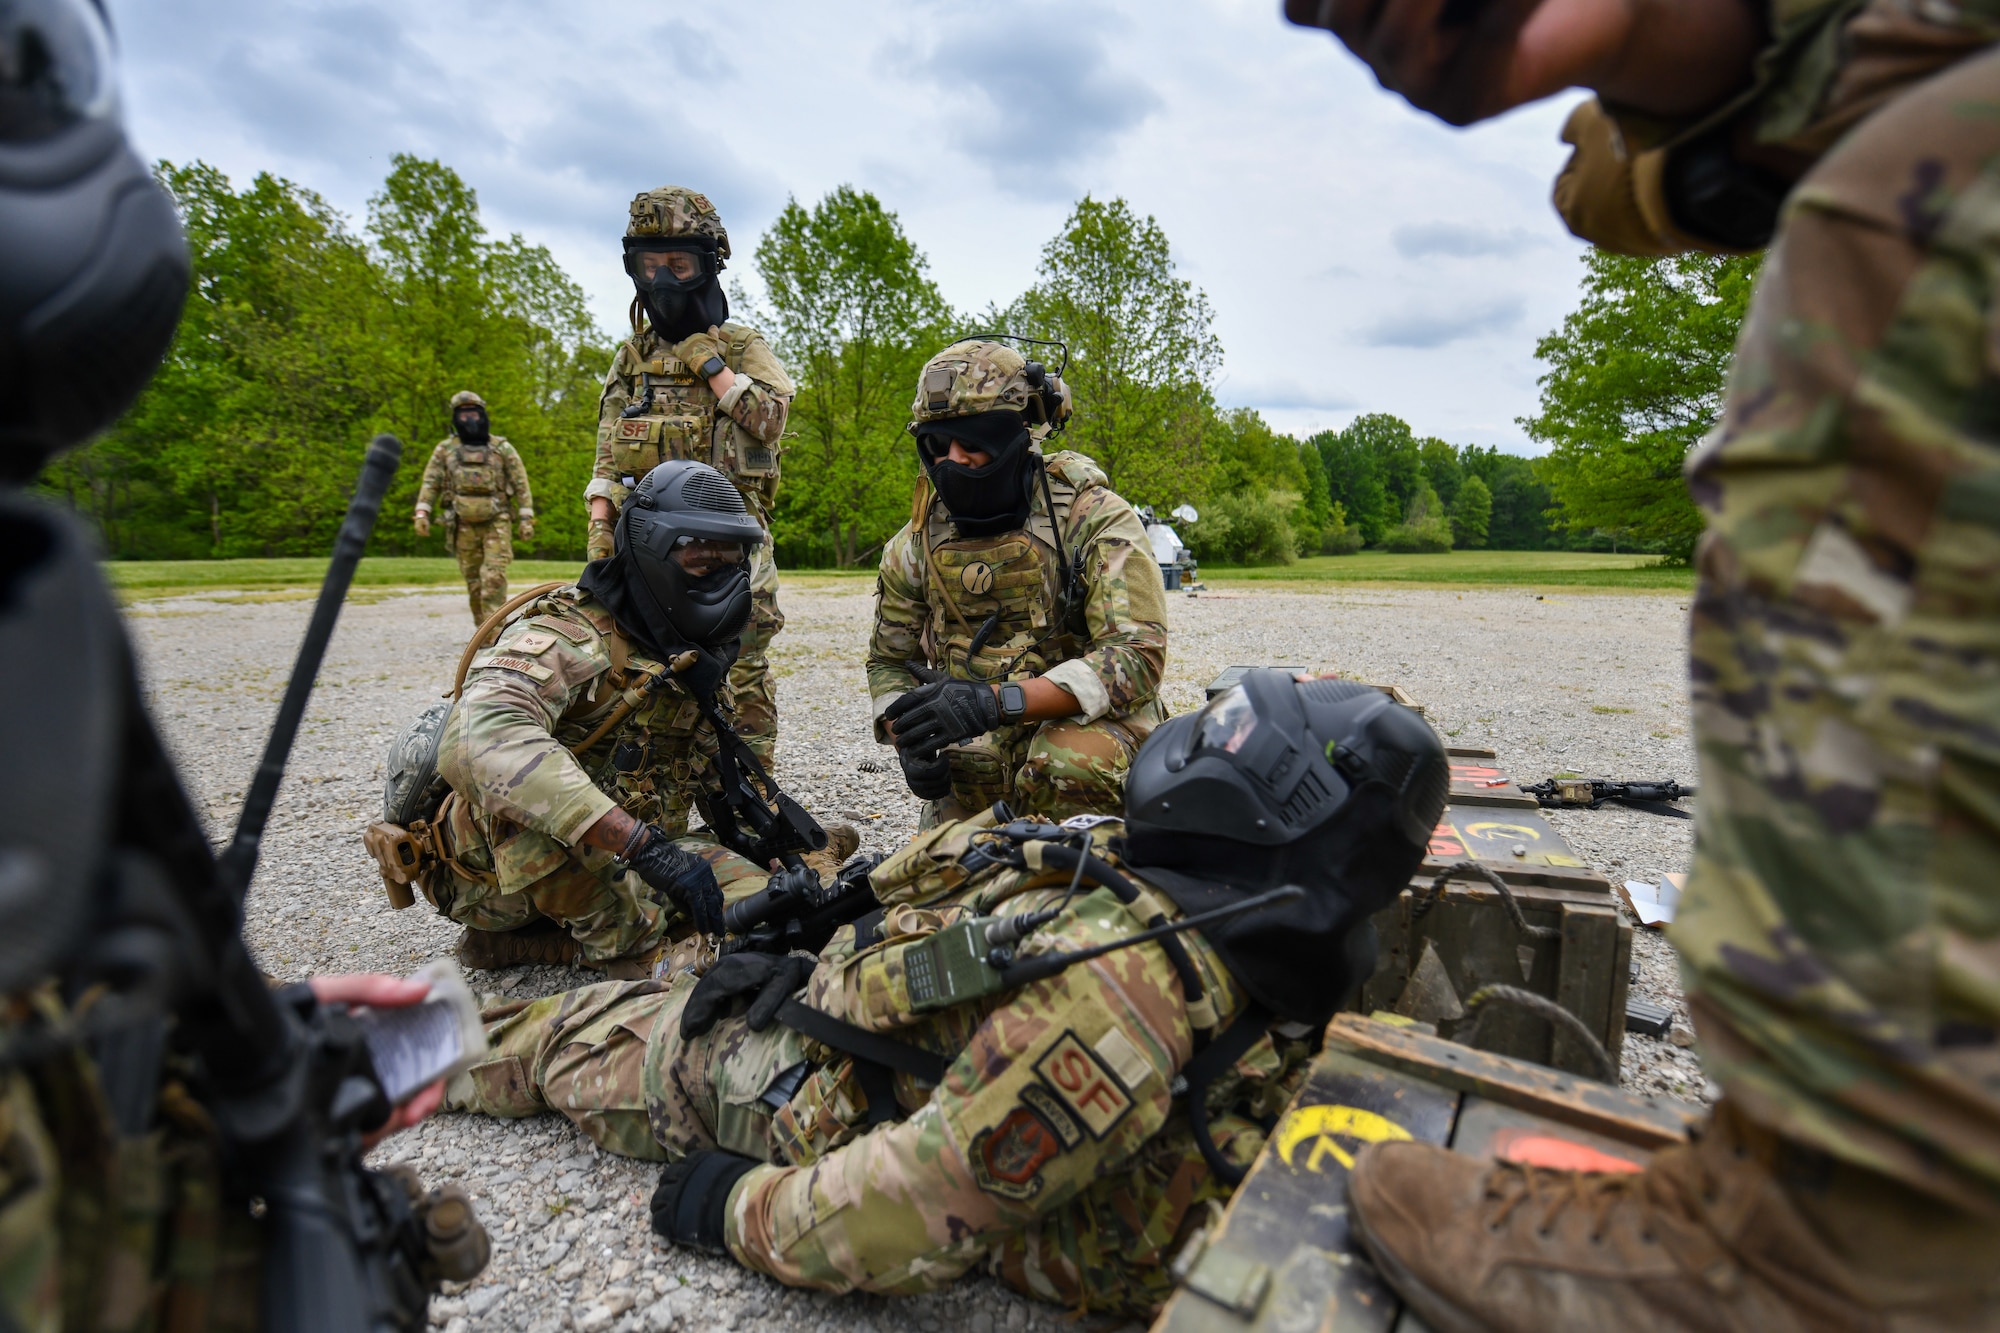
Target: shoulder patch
x,y
1085,1085
562,625
1007,1159
534,643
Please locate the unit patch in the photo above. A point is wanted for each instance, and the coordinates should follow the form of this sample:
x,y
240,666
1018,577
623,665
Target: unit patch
x,y
1085,1085
634,428
534,643
977,578
1007,1159
527,666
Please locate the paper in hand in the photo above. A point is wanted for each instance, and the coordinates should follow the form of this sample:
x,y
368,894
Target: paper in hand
x,y
416,1044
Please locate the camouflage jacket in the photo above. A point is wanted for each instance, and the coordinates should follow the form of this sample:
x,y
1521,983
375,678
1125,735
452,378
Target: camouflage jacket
x,y
1051,1087
936,590
556,673
682,418
476,484
101,1231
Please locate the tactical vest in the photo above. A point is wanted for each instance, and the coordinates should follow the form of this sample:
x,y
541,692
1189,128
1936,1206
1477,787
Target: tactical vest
x,y
653,741
673,414
1017,574
478,482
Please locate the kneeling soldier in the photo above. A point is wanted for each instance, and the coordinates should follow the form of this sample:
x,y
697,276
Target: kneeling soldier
x,y
581,741
1020,626
956,1084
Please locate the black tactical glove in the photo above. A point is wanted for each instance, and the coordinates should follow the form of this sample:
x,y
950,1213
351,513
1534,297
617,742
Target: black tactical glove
x,y
929,777
933,716
684,877
691,1202
772,978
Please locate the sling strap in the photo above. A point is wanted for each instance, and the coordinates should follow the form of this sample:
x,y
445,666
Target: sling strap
x,y
1209,1062
876,1057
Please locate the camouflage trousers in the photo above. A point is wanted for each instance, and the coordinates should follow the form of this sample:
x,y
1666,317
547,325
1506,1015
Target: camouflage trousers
x,y
484,551
1840,934
1054,769
611,1058
607,909
756,692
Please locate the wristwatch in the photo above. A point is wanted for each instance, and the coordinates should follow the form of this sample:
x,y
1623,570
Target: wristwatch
x,y
710,368
1013,701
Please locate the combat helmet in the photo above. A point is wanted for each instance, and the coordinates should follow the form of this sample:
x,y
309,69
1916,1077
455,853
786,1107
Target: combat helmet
x,y
977,375
466,398
674,211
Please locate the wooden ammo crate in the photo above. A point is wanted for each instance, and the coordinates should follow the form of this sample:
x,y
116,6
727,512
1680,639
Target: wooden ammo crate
x,y
1281,1258
1431,960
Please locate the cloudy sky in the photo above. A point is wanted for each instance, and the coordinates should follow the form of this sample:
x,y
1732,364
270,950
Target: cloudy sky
x,y
1359,257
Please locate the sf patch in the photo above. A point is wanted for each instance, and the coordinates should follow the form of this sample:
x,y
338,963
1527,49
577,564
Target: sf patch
x,y
1085,1085
1007,1159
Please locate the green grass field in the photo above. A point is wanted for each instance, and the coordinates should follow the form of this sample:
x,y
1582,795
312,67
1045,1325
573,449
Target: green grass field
x,y
1458,569
139,579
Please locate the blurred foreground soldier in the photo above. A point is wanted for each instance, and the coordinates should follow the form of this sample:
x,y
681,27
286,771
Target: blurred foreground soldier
x,y
479,482
692,383
1020,621
126,1174
578,745
919,1112
1840,934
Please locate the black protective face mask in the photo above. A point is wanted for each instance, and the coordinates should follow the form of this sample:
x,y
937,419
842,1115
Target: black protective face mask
x,y
680,307
982,501
472,429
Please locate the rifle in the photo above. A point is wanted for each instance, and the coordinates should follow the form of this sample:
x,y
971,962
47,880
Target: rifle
x,y
778,827
1590,793
793,912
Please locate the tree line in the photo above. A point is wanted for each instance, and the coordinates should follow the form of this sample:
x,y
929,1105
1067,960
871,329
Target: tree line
x,y
303,336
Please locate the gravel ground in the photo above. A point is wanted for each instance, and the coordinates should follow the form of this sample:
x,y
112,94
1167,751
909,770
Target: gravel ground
x,y
1586,683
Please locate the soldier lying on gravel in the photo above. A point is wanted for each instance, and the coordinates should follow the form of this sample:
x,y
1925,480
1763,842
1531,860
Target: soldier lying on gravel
x,y
1020,622
921,1111
578,745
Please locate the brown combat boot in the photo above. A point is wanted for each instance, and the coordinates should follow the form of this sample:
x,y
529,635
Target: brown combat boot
x,y
1706,1238
544,942
842,841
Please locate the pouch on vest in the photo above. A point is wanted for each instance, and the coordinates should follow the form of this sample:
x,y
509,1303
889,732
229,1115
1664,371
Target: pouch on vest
x,y
640,444
475,508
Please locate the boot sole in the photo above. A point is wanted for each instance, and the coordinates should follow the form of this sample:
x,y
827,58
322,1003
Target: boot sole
x,y
1435,1310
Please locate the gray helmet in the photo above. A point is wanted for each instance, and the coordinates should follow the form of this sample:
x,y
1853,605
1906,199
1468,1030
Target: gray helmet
x,y
678,503
91,253
414,788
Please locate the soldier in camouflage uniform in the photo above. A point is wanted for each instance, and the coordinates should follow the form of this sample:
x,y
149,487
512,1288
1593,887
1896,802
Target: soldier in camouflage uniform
x,y
692,383
1047,1141
1840,933
579,744
479,481
1020,620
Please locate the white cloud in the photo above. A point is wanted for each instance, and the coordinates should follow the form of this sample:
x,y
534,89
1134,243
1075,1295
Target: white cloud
x,y
1308,203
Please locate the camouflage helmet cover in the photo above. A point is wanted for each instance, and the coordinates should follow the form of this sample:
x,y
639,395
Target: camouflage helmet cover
x,y
674,210
466,398
970,377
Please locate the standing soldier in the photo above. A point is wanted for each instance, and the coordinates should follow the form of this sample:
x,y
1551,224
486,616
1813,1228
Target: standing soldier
x,y
1018,641
1840,933
482,485
692,383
